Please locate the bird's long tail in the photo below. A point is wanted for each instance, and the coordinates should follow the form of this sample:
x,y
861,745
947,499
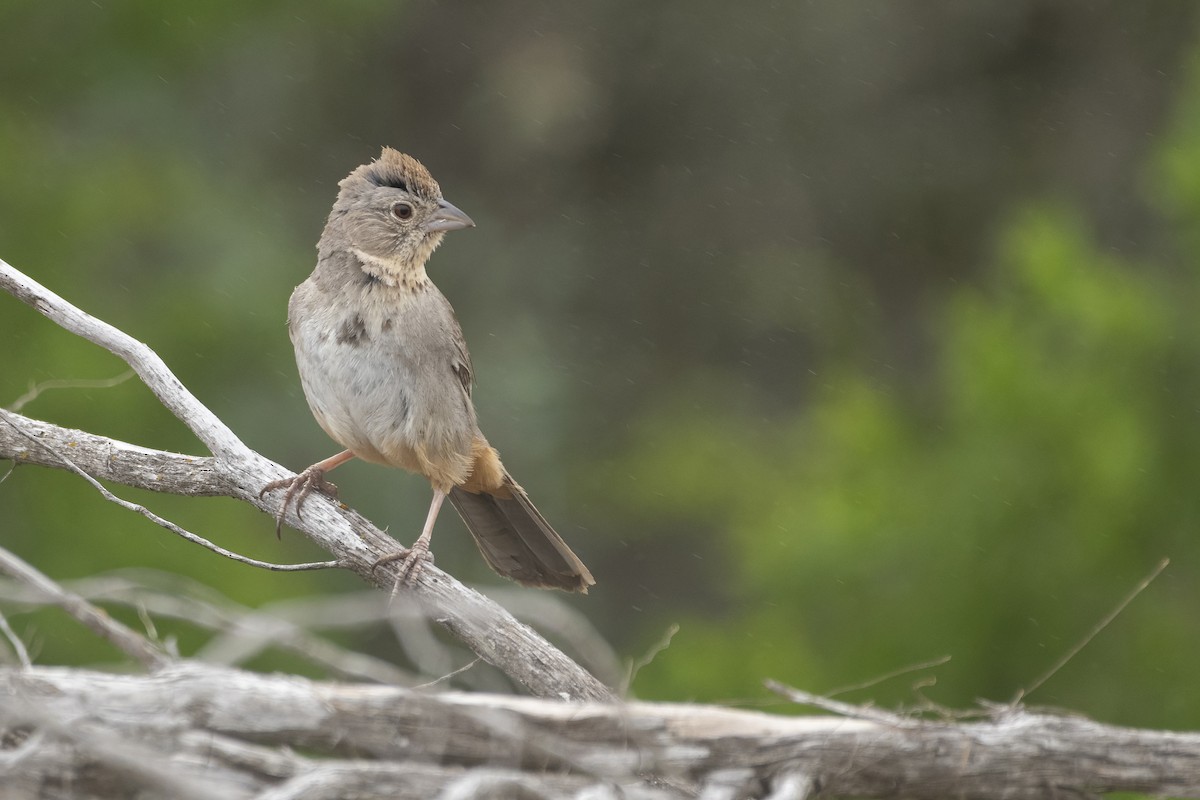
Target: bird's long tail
x,y
516,540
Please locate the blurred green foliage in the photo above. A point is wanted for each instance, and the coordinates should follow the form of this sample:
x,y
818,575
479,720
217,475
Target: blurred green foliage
x,y
1046,471
845,337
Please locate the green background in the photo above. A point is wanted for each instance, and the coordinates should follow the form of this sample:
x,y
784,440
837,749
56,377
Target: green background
x,y
846,336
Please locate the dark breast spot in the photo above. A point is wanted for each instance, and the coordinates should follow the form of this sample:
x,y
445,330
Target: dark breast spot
x,y
353,331
387,324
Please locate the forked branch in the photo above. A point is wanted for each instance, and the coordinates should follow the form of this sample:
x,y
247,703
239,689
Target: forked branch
x,y
234,470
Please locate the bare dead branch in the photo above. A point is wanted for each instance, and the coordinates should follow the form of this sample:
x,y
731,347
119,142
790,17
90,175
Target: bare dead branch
x,y
215,435
14,421
565,625
247,729
242,632
110,459
128,640
130,763
239,472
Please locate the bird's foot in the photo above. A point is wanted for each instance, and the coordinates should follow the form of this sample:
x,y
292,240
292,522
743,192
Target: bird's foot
x,y
298,490
413,560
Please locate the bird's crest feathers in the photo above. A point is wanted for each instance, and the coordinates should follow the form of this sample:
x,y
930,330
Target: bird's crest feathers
x,y
398,170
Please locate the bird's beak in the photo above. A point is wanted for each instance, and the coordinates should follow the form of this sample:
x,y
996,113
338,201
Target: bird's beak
x,y
447,218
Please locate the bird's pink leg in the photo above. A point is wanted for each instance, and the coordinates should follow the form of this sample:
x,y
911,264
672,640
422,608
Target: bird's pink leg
x,y
416,556
300,486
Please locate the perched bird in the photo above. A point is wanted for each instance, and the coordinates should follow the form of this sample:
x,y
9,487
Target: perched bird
x,y
387,375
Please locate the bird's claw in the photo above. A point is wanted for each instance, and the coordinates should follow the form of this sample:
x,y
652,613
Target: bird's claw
x,y
299,487
413,560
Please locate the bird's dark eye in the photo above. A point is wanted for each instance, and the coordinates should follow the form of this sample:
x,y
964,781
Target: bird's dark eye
x,y
402,211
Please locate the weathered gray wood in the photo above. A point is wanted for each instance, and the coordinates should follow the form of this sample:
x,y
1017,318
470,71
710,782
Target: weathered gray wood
x,y
246,730
194,731
128,640
234,470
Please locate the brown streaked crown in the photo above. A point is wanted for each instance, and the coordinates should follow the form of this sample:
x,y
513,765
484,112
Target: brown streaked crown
x,y
398,170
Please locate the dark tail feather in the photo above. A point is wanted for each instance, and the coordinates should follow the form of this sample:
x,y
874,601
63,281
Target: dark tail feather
x,y
517,542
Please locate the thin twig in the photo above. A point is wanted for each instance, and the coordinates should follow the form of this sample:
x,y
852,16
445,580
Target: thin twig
x,y
838,707
35,389
649,656
165,523
448,676
1066,657
17,645
241,632
128,640
936,662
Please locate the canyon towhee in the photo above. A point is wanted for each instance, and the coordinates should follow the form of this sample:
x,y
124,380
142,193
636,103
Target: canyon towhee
x,y
387,374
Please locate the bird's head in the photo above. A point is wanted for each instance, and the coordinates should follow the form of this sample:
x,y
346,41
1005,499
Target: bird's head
x,y
391,215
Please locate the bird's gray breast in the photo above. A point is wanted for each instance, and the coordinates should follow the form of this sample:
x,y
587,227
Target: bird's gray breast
x,y
378,370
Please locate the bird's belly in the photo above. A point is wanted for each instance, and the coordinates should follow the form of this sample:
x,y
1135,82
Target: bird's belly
x,y
368,402
363,410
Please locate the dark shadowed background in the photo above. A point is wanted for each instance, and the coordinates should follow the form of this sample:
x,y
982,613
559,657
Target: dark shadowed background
x,y
844,335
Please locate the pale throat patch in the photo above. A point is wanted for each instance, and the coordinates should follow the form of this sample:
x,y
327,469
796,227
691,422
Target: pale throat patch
x,y
391,271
